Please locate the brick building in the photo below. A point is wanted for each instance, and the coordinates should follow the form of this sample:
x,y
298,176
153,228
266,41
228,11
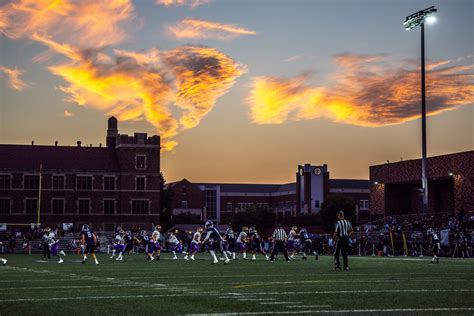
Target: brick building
x,y
218,201
395,187
103,186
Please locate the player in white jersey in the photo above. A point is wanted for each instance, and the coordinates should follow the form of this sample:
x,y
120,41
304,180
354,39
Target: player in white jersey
x,y
195,245
53,244
175,245
292,242
242,242
156,236
119,246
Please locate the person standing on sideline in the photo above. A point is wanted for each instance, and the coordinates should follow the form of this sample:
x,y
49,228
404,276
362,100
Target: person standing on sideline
x,y
279,238
341,236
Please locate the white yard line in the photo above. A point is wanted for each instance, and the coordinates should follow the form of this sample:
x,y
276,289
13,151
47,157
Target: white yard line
x,y
341,311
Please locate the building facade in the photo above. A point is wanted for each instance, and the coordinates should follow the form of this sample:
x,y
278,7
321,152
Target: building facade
x,y
396,187
104,186
219,201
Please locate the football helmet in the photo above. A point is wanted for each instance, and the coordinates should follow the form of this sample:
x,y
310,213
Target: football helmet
x,y
209,224
85,228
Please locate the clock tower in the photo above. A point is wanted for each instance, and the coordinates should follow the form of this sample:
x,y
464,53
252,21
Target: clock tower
x,y
311,184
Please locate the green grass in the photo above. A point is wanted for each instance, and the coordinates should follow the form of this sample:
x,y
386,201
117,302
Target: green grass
x,y
137,287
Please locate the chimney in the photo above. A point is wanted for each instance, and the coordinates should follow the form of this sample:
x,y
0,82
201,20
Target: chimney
x,y
56,143
79,143
32,143
90,145
100,145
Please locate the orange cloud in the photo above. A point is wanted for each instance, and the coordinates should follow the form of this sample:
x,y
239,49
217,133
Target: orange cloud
x,y
367,91
174,3
199,29
13,76
134,85
85,23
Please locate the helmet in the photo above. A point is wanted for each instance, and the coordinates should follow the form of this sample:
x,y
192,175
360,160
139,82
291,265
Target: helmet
x,y
85,228
209,224
199,229
294,228
142,232
251,229
128,232
158,227
245,229
121,232
47,229
303,230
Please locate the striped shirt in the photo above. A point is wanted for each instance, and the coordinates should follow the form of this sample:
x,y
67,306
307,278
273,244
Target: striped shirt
x,y
343,227
279,234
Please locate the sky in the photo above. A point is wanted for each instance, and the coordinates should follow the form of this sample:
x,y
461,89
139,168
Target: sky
x,y
240,90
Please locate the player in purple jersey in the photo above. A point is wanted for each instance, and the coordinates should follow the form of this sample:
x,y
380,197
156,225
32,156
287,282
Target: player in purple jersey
x,y
213,240
195,245
255,243
89,242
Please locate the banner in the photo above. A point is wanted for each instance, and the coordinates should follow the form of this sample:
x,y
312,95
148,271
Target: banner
x,y
3,227
444,235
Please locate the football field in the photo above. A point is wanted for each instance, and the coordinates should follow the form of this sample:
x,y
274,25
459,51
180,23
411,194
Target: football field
x,y
30,285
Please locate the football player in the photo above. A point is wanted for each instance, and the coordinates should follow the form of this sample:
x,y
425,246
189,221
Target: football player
x,y
53,244
229,237
149,246
128,239
241,242
255,243
292,239
195,244
435,245
306,244
119,246
155,239
175,245
213,240
89,241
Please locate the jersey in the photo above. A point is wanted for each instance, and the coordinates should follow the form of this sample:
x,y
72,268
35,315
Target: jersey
x,y
128,239
212,234
119,240
303,237
173,240
49,238
196,238
242,237
230,235
292,235
88,237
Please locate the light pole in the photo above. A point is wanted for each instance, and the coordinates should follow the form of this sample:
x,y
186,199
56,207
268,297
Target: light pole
x,y
418,19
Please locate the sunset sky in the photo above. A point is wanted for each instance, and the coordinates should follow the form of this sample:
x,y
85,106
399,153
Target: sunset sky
x,y
240,90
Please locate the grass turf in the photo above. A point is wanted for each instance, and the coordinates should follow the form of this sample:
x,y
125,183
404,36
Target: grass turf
x,y
136,287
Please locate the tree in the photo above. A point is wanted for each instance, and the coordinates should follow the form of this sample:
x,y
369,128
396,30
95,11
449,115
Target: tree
x,y
332,205
260,217
166,202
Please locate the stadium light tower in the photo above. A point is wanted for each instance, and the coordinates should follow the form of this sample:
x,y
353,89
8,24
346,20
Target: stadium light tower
x,y
418,19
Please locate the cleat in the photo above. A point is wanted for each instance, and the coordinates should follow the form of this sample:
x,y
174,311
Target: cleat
x,y
215,261
192,258
346,269
317,257
111,257
174,258
83,261
4,261
304,258
226,261
62,253
60,261
437,260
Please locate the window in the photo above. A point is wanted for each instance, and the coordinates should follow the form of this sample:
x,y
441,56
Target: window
x,y
184,190
84,206
109,183
229,206
211,204
140,207
262,205
364,204
31,182
5,181
4,206
84,183
58,206
31,206
140,162
244,205
184,204
316,203
58,182
109,206
140,183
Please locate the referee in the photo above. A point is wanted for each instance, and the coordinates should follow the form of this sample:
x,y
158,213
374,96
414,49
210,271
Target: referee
x,y
279,243
341,236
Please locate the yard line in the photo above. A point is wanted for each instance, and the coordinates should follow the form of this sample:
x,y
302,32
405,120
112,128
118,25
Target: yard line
x,y
306,306
363,291
278,303
312,311
38,280
213,293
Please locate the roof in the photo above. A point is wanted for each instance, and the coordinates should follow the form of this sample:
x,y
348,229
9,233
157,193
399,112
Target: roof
x,y
349,184
29,157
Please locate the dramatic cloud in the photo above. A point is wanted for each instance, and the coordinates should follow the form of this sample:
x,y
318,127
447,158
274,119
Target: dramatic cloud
x,y
367,91
133,85
174,3
199,29
85,23
13,76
